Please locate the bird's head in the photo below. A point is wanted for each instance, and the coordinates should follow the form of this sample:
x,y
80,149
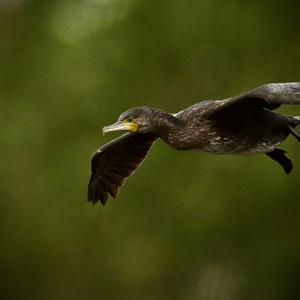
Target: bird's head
x,y
138,119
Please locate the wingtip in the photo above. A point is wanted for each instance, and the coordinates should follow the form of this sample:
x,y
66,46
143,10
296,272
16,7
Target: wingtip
x,y
92,194
103,201
94,200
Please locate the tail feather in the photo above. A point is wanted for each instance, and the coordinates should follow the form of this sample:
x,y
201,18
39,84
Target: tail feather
x,y
294,133
295,122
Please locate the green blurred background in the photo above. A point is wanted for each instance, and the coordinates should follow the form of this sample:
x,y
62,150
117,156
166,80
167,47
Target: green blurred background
x,y
188,225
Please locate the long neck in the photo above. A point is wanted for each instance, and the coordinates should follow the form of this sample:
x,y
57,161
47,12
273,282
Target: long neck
x,y
167,126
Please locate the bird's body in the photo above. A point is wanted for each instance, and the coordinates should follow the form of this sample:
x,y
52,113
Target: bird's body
x,y
244,124
233,133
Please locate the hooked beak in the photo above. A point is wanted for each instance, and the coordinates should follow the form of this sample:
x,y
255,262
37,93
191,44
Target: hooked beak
x,y
123,125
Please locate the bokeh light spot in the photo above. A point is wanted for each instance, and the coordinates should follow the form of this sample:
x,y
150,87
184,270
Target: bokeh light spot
x,y
73,21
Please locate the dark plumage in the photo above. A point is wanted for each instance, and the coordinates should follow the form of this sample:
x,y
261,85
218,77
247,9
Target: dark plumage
x,y
244,124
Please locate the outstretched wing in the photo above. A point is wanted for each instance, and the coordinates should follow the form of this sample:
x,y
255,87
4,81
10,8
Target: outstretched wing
x,y
269,96
114,162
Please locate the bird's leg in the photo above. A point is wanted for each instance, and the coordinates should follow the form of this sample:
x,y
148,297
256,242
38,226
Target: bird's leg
x,y
294,133
279,156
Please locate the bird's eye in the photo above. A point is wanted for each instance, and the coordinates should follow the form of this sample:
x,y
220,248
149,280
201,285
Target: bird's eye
x,y
130,120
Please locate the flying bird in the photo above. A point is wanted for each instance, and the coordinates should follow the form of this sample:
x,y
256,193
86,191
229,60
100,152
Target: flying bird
x,y
244,124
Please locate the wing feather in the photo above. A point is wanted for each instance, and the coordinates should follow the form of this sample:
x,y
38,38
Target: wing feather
x,y
269,96
116,161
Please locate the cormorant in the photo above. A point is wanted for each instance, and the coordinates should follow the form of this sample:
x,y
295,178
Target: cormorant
x,y
243,124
